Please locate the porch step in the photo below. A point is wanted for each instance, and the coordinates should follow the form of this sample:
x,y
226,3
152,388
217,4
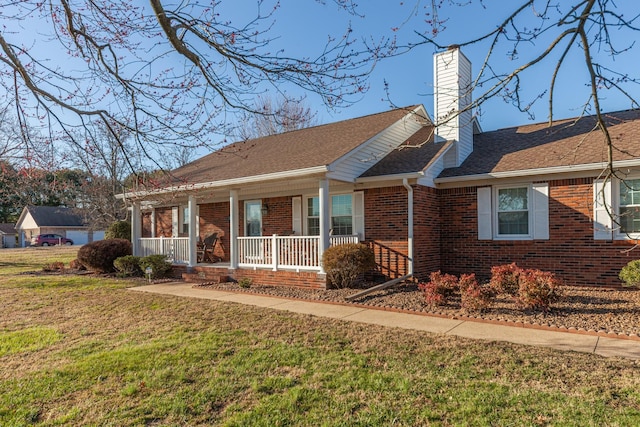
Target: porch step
x,y
202,276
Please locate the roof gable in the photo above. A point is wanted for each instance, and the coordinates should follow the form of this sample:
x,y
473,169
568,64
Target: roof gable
x,y
6,228
52,216
565,143
318,146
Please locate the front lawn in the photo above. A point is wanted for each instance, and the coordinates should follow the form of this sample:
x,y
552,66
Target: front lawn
x,y
80,350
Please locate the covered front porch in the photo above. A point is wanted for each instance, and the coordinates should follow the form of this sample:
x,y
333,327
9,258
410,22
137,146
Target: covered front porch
x,y
254,227
275,252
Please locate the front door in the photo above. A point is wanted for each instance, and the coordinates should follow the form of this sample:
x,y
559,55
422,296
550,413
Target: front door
x,y
253,218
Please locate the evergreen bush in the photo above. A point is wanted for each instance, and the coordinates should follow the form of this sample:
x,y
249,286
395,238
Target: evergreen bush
x,y
345,264
99,256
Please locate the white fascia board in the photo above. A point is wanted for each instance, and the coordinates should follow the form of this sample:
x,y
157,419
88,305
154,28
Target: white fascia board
x,y
399,176
539,171
229,182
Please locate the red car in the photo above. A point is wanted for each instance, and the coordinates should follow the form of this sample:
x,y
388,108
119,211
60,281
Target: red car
x,y
50,240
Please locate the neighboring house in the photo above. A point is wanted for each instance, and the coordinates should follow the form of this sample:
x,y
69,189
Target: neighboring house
x,y
425,198
35,220
8,236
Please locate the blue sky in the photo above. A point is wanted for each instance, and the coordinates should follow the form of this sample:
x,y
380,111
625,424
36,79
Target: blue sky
x,y
303,25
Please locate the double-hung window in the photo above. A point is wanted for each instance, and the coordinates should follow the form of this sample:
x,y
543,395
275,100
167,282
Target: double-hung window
x,y
629,209
341,211
512,206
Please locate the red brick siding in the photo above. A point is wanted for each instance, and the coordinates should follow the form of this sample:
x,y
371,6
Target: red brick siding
x,y
571,252
426,231
385,218
146,224
278,219
214,218
164,222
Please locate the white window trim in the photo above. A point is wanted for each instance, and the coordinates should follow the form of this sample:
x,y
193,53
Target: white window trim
x,y
494,217
615,211
537,209
357,211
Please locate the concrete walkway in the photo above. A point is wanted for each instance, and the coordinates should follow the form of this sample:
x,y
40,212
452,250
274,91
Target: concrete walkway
x,y
569,341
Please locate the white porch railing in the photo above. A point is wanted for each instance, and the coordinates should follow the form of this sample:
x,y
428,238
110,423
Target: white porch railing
x,y
284,252
175,248
275,252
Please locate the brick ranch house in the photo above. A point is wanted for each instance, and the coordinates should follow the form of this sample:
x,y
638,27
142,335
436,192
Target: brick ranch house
x,y
425,198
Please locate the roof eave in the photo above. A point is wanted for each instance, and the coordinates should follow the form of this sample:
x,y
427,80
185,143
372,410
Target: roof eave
x,y
297,173
538,171
407,175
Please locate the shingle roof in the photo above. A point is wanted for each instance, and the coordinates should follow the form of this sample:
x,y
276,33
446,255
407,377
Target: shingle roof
x,y
412,156
6,228
55,216
565,143
301,149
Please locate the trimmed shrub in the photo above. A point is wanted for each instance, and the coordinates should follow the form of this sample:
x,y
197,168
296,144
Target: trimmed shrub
x,y
538,289
439,288
245,282
630,273
128,266
160,267
505,279
344,264
99,256
473,296
118,230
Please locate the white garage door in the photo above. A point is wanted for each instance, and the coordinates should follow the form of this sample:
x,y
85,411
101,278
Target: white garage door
x,y
98,235
79,237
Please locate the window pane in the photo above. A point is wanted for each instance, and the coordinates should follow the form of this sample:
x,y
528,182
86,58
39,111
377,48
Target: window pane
x,y
341,205
341,225
630,219
512,199
630,192
513,223
313,226
253,218
185,220
313,206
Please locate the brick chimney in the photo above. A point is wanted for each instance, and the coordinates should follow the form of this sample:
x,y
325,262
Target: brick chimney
x,y
452,100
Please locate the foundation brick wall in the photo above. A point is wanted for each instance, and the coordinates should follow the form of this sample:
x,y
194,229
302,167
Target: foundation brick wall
x,y
571,252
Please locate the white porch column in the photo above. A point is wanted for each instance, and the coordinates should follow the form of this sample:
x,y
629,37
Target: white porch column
x,y
153,222
136,228
233,229
323,199
193,231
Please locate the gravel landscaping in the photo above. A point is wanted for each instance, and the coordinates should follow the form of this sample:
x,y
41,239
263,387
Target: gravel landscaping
x,y
611,311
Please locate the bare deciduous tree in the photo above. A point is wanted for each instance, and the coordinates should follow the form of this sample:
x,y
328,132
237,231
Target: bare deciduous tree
x,y
275,116
167,73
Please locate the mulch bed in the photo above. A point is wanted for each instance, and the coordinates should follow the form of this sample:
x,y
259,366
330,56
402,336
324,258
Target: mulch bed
x,y
584,309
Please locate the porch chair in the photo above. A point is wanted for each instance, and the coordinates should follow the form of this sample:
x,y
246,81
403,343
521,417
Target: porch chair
x,y
206,249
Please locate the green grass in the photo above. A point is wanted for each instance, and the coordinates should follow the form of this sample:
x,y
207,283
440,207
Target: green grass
x,y
79,350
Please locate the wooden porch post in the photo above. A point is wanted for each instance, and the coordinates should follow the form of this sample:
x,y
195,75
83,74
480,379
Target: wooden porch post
x,y
136,228
323,199
193,236
233,229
